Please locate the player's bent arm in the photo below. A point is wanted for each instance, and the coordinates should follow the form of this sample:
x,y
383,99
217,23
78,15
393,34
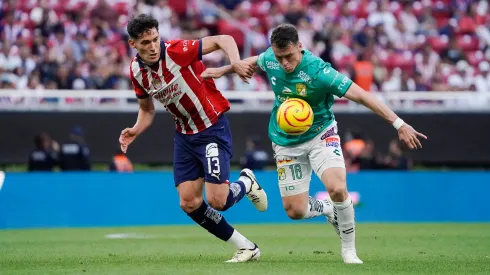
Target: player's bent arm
x,y
357,94
146,114
223,42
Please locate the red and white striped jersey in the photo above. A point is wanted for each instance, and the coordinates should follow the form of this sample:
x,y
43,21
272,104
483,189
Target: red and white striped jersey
x,y
175,81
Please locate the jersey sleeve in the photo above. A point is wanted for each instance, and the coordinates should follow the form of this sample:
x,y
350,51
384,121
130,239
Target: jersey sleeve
x,y
184,52
334,82
261,61
138,89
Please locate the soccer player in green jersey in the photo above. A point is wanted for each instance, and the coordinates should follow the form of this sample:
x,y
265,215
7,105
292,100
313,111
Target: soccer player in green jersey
x,y
296,73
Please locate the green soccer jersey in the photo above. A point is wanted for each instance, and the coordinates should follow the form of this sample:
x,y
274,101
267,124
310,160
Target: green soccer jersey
x,y
314,81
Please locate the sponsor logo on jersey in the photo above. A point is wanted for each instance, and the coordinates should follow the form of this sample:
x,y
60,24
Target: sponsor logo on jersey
x,y
212,150
344,81
330,132
271,65
332,142
287,91
301,89
281,173
168,93
184,45
282,160
282,98
306,78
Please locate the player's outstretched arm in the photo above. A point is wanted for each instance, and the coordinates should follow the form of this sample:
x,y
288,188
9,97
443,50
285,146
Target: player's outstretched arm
x,y
406,133
146,114
229,46
219,72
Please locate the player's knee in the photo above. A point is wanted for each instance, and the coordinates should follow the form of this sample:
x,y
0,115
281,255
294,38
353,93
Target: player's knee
x,y
190,204
216,202
338,193
294,213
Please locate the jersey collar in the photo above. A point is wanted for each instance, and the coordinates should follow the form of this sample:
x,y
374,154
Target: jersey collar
x,y
162,55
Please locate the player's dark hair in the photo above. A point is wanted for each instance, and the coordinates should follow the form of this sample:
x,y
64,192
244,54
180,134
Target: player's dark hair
x,y
141,24
284,35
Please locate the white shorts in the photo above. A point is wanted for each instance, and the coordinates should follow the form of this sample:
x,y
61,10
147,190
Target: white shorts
x,y
295,163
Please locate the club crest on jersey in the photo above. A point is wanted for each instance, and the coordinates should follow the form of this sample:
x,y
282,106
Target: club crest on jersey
x,y
157,83
281,173
301,89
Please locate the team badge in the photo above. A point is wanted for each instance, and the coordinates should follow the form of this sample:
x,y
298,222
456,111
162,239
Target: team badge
x,y
281,173
301,89
157,83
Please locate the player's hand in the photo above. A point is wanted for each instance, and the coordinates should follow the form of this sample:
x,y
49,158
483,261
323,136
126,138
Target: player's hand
x,y
243,69
212,73
410,137
127,137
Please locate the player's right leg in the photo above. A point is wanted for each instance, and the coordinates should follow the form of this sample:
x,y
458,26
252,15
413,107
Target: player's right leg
x,y
294,176
329,165
189,176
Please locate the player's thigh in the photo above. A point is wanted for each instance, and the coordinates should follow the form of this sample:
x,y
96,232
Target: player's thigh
x,y
216,174
187,167
215,155
328,162
293,170
190,194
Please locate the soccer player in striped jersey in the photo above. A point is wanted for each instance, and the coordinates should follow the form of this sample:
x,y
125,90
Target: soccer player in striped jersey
x,y
170,72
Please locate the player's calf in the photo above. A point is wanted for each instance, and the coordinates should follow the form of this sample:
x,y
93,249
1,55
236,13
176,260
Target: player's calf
x,y
302,206
223,196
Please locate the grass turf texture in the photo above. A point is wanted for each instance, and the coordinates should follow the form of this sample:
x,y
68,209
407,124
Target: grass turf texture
x,y
286,249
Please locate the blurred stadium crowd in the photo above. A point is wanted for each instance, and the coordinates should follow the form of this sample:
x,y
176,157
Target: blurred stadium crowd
x,y
428,45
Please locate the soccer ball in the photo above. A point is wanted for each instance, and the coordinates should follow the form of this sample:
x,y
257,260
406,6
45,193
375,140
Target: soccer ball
x,y
294,116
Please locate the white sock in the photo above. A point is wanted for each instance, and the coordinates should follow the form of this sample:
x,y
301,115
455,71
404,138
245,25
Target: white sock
x,y
344,216
247,181
240,241
317,208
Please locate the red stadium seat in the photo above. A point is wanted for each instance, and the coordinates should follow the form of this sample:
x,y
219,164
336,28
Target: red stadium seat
x,y
468,43
179,6
345,61
225,28
474,58
438,43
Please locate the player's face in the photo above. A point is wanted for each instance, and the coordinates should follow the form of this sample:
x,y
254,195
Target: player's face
x,y
289,57
148,46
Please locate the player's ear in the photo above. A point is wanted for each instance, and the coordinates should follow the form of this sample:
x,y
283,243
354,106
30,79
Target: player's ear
x,y
300,45
131,43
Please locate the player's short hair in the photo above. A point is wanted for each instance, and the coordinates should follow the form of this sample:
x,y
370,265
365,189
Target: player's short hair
x,y
141,24
284,35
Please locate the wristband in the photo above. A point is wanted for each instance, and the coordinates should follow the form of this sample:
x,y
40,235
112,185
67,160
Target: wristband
x,y
398,123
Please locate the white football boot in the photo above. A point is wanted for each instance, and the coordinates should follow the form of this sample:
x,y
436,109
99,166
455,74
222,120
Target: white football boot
x,y
256,194
245,255
350,256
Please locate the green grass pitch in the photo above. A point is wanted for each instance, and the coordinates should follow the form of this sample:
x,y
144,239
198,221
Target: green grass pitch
x,y
286,249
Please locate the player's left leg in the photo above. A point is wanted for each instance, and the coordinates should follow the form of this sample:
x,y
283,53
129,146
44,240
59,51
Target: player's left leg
x,y
329,165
